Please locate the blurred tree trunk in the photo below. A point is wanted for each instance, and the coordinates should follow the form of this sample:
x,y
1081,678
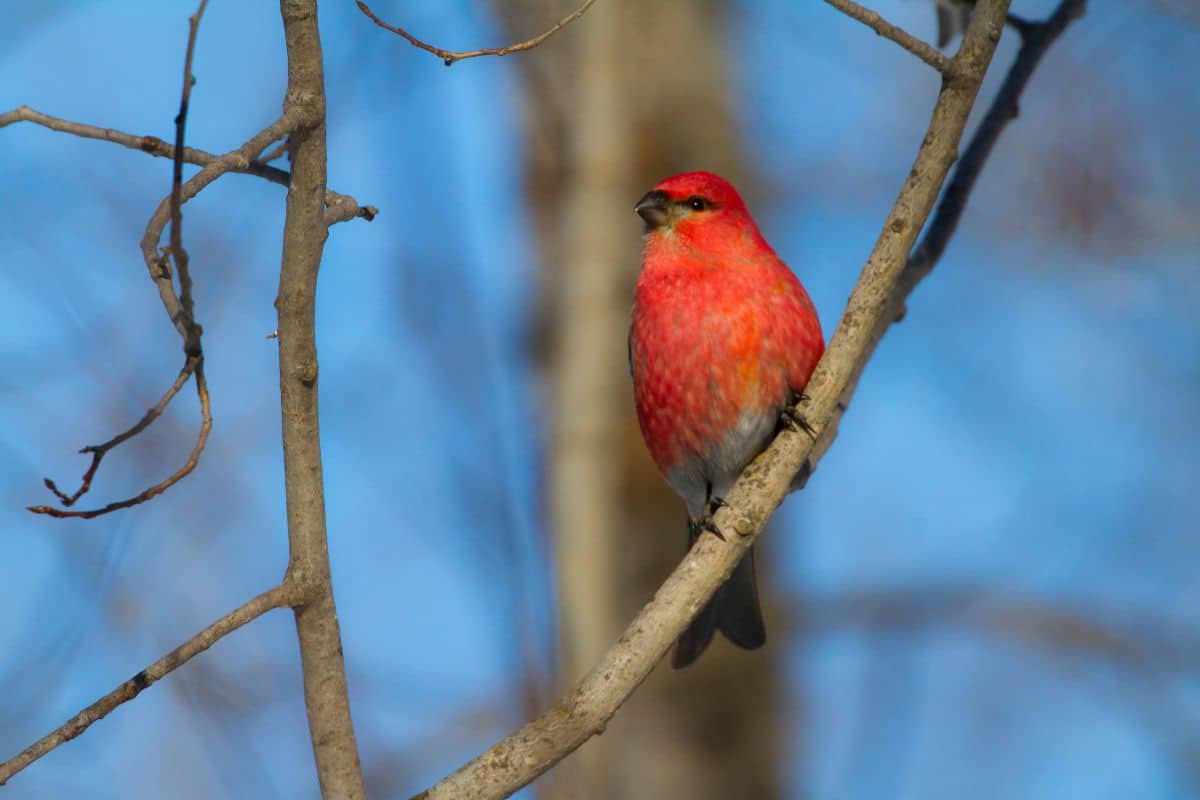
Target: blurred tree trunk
x,y
634,92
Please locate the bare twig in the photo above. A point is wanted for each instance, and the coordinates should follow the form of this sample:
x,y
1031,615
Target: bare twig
x,y
155,146
160,272
193,365
326,699
450,56
887,30
191,345
98,451
1036,39
278,597
585,711
181,310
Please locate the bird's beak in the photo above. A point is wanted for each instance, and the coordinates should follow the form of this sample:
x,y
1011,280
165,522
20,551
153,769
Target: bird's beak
x,y
653,208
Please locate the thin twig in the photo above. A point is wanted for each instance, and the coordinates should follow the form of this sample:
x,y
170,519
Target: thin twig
x,y
98,451
1036,39
450,56
180,308
155,146
278,597
887,30
197,366
160,273
191,345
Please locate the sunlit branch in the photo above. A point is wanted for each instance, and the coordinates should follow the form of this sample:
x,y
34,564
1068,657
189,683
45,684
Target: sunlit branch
x,y
586,710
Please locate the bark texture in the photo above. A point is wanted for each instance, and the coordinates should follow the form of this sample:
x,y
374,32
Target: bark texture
x,y
304,234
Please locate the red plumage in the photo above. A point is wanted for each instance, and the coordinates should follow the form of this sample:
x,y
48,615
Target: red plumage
x,y
723,336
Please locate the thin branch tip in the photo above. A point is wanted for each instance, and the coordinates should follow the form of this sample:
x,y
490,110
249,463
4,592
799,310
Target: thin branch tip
x,y
873,20
451,57
179,307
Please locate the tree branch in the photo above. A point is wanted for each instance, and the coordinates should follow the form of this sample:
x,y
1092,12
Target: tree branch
x,y
449,56
887,30
278,597
1036,39
191,344
154,146
194,365
98,451
304,234
183,317
584,712
307,585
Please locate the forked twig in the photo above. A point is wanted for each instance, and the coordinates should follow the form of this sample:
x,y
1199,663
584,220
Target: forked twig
x,y
194,366
152,145
181,310
450,56
98,451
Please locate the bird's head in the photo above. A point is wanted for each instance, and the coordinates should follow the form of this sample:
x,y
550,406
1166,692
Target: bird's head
x,y
689,202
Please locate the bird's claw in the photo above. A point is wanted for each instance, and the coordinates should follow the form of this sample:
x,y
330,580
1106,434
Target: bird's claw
x,y
794,420
713,505
705,523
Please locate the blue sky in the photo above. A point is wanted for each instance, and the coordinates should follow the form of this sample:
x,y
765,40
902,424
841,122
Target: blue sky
x,y
1028,431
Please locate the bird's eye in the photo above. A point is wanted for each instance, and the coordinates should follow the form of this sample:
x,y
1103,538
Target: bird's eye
x,y
697,203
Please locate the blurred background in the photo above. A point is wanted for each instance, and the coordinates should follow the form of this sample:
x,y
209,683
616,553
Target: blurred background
x,y
988,589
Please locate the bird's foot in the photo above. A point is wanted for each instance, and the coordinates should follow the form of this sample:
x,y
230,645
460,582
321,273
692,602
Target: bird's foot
x,y
793,420
698,526
705,523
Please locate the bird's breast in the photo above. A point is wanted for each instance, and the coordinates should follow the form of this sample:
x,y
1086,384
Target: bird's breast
x,y
713,359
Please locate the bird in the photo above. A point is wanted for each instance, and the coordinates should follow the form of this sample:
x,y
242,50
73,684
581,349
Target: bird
x,y
723,338
952,18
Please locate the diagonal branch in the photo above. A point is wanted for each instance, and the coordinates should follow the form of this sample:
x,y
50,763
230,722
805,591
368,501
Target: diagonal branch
x,y
887,30
1036,39
585,711
278,597
450,56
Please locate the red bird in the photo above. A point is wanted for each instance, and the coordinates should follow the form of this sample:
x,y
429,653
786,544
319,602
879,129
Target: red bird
x,y
723,338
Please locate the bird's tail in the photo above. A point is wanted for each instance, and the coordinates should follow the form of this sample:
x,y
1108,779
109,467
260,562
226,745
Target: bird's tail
x,y
733,611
